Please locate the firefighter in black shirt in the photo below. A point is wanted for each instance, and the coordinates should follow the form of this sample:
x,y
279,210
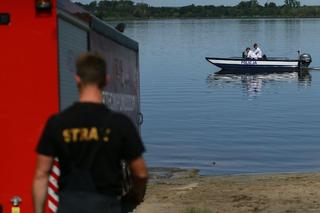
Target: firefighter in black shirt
x,y
90,142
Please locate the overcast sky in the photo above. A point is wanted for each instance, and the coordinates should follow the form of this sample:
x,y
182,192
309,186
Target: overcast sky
x,y
208,2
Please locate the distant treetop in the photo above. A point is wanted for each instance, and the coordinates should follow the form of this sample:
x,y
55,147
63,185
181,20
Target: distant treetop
x,y
125,9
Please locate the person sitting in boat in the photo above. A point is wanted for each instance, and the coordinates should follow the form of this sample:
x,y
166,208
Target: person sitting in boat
x,y
257,51
245,53
251,54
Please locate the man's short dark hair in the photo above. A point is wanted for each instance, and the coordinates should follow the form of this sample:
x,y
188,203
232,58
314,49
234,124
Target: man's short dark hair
x,y
91,68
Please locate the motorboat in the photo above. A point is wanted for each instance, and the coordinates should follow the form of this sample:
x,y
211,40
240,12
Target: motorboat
x,y
236,65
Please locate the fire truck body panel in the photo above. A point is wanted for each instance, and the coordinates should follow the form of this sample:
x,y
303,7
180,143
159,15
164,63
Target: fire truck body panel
x,y
122,92
37,58
72,42
29,85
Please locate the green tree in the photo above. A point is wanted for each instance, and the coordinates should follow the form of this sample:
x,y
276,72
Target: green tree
x,y
270,5
141,10
248,4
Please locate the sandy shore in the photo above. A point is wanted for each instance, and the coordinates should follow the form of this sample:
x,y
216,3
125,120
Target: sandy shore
x,y
179,190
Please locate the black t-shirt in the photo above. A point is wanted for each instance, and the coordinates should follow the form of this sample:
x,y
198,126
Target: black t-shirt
x,y
74,134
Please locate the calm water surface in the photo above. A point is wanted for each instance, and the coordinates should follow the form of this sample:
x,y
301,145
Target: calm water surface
x,y
228,124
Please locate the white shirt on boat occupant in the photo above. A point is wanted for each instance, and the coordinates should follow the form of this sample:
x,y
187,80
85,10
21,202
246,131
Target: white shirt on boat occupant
x,y
252,55
258,52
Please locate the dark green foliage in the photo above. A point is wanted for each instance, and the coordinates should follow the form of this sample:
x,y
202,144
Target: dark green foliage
x,y
249,4
125,9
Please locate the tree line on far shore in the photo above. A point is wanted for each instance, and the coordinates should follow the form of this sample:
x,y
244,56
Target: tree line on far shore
x,y
125,9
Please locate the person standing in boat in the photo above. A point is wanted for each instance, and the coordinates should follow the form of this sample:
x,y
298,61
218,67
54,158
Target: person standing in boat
x,y
257,51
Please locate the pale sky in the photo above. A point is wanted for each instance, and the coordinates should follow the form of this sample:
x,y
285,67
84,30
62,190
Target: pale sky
x,y
208,2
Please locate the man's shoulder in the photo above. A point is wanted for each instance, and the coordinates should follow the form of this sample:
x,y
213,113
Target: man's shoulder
x,y
56,117
70,108
116,117
53,118
83,107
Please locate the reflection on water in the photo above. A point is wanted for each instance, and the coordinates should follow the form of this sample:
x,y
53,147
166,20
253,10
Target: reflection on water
x,y
305,79
252,84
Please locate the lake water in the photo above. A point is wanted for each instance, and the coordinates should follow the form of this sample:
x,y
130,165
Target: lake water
x,y
228,124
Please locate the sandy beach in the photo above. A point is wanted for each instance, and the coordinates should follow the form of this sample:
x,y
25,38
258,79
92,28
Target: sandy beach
x,y
178,190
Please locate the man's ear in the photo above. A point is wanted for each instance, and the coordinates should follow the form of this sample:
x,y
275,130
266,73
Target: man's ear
x,y
77,79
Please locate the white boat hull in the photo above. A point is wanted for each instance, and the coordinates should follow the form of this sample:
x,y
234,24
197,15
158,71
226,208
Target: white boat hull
x,y
256,66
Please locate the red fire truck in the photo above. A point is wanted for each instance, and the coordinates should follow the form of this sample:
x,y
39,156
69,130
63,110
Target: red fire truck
x,y
40,40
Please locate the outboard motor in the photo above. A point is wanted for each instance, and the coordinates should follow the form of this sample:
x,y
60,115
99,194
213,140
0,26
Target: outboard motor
x,y
305,60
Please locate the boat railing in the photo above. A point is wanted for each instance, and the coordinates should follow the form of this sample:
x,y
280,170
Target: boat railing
x,y
268,58
278,58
